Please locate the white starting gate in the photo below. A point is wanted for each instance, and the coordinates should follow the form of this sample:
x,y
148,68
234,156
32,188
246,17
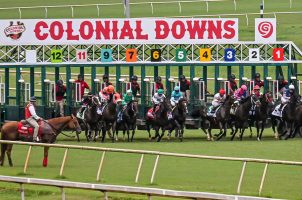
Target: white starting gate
x,y
225,84
25,91
249,84
75,91
50,91
149,90
273,87
124,85
200,93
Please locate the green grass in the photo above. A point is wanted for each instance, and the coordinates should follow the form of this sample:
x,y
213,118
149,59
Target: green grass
x,y
173,173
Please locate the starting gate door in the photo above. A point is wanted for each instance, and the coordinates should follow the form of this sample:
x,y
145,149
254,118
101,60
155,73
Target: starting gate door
x,y
50,98
149,91
225,84
123,86
249,84
198,94
273,87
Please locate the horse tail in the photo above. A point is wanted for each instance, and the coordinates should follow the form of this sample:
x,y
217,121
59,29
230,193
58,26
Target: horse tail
x,y
3,148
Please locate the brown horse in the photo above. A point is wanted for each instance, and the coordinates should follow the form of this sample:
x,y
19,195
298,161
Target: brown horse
x,y
50,130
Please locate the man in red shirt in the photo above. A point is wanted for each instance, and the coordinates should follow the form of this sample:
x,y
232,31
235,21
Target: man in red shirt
x,y
83,84
106,81
60,92
158,84
184,85
232,84
135,86
258,81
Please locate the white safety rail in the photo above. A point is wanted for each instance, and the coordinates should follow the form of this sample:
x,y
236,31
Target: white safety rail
x,y
120,189
14,55
158,154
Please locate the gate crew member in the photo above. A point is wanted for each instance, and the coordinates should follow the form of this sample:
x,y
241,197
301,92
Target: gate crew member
x,y
176,96
185,87
135,88
83,84
218,100
106,82
258,81
158,84
60,92
32,118
232,84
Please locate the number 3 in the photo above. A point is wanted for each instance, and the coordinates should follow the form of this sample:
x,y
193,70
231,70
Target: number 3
x,y
229,54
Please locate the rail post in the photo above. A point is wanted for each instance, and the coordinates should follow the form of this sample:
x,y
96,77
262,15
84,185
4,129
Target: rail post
x,y
63,162
100,166
241,177
154,169
27,159
139,168
263,178
62,193
22,191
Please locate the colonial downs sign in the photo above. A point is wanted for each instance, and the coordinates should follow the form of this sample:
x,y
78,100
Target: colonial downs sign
x,y
118,31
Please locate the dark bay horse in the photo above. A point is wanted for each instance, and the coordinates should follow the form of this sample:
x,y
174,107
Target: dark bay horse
x,y
108,119
179,113
91,118
242,114
261,114
222,118
50,130
128,121
160,120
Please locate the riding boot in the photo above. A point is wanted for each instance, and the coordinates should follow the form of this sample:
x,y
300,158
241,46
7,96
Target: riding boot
x,y
281,107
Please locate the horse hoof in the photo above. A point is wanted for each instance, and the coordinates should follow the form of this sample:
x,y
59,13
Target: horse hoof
x,y
258,139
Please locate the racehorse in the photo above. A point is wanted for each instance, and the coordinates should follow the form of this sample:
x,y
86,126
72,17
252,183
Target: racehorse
x,y
160,120
128,121
261,114
242,114
50,129
91,118
222,118
108,119
179,113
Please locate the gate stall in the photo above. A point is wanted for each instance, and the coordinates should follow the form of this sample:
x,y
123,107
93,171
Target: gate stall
x,y
49,99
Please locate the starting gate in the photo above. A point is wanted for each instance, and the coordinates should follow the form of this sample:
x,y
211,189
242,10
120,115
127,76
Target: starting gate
x,y
249,84
273,87
223,83
198,95
50,99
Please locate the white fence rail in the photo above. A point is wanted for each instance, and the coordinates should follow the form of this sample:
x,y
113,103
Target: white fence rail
x,y
148,3
119,189
157,154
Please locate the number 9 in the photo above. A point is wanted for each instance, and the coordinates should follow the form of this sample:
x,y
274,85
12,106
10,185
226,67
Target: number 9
x,y
155,55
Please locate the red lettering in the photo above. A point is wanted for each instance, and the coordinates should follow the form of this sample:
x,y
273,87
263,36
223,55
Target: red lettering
x,y
102,31
56,30
139,30
196,28
114,30
38,30
126,31
69,32
214,29
161,29
230,30
178,29
86,30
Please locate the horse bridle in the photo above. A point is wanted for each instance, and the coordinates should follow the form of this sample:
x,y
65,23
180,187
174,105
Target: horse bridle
x,y
57,131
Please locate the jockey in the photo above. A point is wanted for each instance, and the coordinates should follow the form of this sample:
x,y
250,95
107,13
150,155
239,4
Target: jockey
x,y
128,98
232,84
241,93
281,83
32,118
258,81
85,102
135,88
218,100
175,96
158,84
286,96
184,85
106,82
256,91
158,98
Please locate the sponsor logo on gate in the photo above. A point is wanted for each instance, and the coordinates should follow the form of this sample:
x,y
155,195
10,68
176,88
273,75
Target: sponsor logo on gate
x,y
14,31
265,30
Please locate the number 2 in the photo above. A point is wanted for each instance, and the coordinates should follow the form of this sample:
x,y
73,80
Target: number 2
x,y
254,54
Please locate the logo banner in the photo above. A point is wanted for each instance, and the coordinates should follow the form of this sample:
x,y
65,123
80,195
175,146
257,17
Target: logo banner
x,y
118,31
265,30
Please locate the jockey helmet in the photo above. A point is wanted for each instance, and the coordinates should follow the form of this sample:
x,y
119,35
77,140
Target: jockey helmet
x,y
105,76
243,87
80,76
291,87
110,89
160,91
129,92
134,78
33,99
222,92
89,94
256,87
233,76
182,77
257,75
60,82
176,88
158,79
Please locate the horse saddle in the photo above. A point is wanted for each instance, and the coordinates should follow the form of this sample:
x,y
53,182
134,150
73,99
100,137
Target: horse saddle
x,y
212,111
27,131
